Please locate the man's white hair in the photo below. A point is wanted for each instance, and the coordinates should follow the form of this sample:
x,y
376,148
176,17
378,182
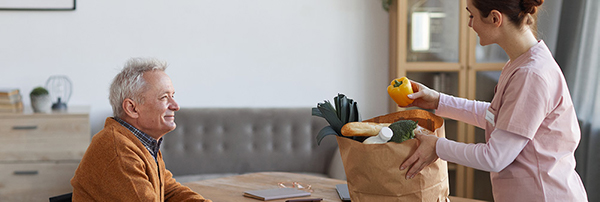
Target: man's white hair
x,y
130,83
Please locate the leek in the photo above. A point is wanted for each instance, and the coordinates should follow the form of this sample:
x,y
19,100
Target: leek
x,y
345,111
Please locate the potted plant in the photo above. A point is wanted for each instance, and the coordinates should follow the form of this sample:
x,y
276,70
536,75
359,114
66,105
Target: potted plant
x,y
40,100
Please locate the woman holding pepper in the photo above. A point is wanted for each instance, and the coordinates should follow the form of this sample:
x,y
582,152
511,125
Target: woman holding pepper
x,y
531,127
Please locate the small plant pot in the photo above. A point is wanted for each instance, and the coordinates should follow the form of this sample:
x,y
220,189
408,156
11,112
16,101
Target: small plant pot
x,y
41,103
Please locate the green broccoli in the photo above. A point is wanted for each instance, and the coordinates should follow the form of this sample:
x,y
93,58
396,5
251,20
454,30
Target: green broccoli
x,y
403,130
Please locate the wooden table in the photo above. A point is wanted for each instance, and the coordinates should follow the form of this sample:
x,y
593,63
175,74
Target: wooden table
x,y
232,188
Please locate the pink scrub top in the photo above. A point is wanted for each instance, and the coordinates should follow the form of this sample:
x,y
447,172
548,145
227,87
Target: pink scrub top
x,y
532,100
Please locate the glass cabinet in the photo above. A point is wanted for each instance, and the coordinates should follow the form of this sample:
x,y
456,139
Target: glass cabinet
x,y
430,42
432,31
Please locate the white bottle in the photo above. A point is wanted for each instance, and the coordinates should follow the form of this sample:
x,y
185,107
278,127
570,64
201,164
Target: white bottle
x,y
385,134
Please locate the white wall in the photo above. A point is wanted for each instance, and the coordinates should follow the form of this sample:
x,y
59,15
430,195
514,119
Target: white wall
x,y
236,53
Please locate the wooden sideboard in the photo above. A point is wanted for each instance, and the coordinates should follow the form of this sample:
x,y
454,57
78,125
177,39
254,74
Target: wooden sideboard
x,y
40,152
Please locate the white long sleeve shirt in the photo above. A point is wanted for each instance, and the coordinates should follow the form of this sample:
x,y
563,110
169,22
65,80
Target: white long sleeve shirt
x,y
499,151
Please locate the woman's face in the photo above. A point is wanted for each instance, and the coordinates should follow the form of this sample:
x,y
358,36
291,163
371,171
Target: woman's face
x,y
482,26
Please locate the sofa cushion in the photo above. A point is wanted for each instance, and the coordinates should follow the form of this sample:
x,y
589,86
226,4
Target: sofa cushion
x,y
242,140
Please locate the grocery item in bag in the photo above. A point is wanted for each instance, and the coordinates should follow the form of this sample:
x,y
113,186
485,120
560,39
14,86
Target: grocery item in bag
x,y
384,135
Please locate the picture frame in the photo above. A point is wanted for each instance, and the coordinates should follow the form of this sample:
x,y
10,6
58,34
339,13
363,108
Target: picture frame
x,y
47,5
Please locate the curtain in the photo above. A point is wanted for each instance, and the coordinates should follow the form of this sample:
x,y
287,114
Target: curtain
x,y
578,53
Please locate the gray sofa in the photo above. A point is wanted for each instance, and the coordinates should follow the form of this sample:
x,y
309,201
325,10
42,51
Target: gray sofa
x,y
217,142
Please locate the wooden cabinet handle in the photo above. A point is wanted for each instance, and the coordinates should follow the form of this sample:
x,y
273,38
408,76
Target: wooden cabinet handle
x,y
25,172
24,127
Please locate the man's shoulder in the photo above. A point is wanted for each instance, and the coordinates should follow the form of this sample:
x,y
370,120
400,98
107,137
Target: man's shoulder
x,y
113,137
112,132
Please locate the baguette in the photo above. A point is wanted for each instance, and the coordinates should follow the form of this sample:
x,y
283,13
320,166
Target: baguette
x,y
362,128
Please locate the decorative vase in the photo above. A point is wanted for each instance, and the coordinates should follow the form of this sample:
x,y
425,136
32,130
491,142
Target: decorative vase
x,y
41,103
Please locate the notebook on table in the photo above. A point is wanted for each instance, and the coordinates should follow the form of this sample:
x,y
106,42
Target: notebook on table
x,y
278,193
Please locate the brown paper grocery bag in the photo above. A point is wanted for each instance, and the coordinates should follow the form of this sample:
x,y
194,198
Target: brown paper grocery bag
x,y
372,170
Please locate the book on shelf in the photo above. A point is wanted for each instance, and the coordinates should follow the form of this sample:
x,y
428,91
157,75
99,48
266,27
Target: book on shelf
x,y
15,107
7,92
12,99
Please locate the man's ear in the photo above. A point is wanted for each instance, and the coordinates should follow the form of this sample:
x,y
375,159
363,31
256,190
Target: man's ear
x,y
497,18
130,108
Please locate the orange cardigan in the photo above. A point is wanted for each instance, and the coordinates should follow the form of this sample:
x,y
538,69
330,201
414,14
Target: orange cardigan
x,y
117,167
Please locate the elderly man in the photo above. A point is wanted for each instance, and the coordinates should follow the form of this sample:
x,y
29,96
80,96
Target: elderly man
x,y
123,161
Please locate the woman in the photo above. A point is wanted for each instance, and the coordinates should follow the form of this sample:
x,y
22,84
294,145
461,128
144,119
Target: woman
x,y
530,126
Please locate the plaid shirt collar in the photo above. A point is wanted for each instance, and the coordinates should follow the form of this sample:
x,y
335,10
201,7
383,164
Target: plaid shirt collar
x,y
149,142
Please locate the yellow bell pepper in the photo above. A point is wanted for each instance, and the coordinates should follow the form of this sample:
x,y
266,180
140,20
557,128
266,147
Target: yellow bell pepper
x,y
399,90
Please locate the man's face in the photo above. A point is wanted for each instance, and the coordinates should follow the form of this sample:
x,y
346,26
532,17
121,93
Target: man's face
x,y
157,113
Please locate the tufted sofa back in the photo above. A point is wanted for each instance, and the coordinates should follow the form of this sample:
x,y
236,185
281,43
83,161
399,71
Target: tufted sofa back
x,y
242,140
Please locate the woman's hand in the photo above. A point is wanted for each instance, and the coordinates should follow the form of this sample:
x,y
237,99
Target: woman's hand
x,y
423,156
423,97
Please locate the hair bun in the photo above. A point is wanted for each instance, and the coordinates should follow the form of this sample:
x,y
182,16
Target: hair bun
x,y
530,6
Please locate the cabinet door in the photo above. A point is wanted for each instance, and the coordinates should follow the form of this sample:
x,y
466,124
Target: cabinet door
x,y
35,181
432,31
446,82
428,45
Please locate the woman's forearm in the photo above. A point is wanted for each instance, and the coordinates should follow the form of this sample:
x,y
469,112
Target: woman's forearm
x,y
468,111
